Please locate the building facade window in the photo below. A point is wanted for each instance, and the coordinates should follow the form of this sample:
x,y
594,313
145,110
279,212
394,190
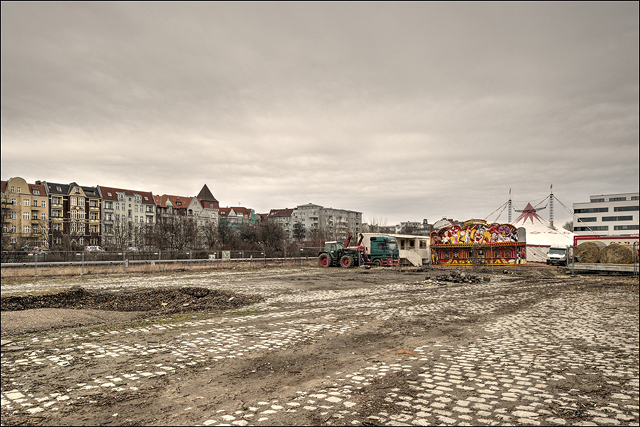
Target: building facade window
x,y
618,218
591,210
617,199
588,219
25,215
626,227
626,208
595,228
74,201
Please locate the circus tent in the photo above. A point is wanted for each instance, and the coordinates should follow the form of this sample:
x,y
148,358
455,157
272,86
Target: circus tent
x,y
541,235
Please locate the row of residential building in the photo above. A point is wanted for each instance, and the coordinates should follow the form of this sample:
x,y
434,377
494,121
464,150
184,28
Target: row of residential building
x,y
46,214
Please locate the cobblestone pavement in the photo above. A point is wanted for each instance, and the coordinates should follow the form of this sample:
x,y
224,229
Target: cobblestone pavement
x,y
394,351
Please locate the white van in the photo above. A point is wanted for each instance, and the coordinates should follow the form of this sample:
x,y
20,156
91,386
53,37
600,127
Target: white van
x,y
93,249
557,256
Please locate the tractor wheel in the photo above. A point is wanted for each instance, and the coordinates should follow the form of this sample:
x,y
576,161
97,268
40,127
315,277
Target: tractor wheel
x,y
346,261
324,261
377,263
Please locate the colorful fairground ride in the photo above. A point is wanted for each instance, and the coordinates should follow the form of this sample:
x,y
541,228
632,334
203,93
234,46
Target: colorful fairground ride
x,y
475,242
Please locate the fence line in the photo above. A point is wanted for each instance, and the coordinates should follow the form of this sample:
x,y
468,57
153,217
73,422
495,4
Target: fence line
x,y
81,263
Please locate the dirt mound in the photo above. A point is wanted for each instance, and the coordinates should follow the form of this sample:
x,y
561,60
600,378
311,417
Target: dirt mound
x,y
157,300
455,276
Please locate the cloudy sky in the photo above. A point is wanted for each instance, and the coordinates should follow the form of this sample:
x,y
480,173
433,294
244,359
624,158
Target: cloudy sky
x,y
402,111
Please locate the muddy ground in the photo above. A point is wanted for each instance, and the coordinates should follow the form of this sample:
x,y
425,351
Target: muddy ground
x,y
314,346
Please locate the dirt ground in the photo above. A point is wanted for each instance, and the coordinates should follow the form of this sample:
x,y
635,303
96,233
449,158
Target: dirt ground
x,y
311,346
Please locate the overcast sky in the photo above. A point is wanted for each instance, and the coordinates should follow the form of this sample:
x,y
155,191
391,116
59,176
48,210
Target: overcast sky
x,y
401,111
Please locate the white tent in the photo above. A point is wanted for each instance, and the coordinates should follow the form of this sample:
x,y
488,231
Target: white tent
x,y
540,235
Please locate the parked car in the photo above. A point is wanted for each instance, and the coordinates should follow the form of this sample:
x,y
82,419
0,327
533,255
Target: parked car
x,y
557,256
93,249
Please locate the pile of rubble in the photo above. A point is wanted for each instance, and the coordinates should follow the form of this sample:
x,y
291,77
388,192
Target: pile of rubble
x,y
455,277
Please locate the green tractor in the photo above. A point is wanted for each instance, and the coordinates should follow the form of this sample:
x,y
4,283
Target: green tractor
x,y
335,254
384,251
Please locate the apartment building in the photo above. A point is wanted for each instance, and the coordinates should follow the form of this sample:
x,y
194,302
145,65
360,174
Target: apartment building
x,y
335,223
236,216
284,218
205,208
126,216
607,215
25,219
75,215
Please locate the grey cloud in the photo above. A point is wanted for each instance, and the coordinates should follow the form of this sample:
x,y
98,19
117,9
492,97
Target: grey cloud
x,y
424,108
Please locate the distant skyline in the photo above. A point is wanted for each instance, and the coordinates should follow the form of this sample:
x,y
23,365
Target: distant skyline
x,y
403,111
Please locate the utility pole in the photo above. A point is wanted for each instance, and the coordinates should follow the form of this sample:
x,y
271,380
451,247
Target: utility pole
x,y
551,207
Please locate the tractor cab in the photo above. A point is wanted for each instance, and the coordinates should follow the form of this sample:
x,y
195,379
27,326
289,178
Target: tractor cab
x,y
333,246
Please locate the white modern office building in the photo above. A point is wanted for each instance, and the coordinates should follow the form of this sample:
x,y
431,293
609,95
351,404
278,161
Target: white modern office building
x,y
607,215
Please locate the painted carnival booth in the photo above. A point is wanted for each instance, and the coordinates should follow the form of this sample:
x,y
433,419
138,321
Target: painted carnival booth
x,y
475,242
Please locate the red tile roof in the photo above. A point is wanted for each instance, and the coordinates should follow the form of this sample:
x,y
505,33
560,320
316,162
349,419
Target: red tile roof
x,y
281,212
147,197
178,202
206,204
41,190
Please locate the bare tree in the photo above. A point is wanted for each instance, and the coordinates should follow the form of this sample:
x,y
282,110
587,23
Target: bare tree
x,y
209,235
272,236
299,231
8,213
227,236
374,224
568,225
316,236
